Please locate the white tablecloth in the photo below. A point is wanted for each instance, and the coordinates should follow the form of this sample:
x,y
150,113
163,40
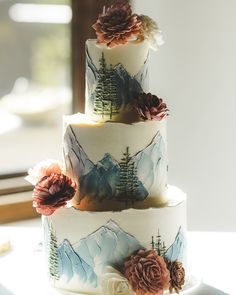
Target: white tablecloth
x,y
212,256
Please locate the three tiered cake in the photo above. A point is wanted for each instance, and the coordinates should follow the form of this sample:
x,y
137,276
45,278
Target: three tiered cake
x,y
112,224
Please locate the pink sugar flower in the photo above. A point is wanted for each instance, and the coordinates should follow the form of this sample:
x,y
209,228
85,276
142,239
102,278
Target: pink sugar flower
x,y
44,168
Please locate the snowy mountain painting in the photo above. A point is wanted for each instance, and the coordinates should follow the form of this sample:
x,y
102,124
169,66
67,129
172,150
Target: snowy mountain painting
x,y
111,88
130,180
177,249
71,264
109,245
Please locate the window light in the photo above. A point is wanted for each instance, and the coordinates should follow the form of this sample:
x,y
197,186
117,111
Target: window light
x,y
40,13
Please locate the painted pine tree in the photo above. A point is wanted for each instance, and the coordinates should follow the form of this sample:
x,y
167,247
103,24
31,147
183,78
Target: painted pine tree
x,y
163,249
128,183
122,186
132,178
153,243
101,92
106,101
158,245
53,260
114,109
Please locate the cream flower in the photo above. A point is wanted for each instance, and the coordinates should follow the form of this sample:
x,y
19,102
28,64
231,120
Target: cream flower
x,y
150,32
44,168
114,283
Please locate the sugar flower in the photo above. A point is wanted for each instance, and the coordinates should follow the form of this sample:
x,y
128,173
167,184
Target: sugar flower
x,y
150,107
114,283
150,32
53,192
44,168
177,276
117,25
147,273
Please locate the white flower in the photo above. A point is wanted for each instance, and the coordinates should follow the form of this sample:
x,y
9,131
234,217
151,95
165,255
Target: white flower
x,y
113,282
44,168
151,32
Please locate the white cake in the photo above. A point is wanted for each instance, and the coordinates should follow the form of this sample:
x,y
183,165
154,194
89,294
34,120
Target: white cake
x,y
89,241
112,223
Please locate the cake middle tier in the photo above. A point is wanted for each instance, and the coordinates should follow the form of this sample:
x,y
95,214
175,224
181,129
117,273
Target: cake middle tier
x,y
115,165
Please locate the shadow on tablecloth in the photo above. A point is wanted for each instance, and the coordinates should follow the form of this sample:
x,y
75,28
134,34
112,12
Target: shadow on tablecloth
x,y
4,291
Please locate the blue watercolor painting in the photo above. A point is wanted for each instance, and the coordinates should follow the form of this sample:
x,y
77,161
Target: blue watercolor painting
x,y
70,264
177,249
109,245
129,180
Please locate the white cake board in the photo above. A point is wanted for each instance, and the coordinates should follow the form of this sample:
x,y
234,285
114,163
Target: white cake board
x,y
192,283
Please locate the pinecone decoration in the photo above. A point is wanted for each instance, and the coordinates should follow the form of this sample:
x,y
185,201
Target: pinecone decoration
x,y
150,107
117,25
177,276
53,192
147,272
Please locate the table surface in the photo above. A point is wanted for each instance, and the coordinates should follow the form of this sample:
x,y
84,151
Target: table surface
x,y
212,256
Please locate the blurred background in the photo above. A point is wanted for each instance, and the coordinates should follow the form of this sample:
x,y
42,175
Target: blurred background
x,y
35,80
195,72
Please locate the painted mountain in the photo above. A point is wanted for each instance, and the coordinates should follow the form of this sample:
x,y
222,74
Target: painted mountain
x,y
130,180
177,249
111,88
71,264
76,161
109,245
142,76
150,163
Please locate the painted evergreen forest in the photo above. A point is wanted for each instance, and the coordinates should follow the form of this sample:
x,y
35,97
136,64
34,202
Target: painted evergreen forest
x,y
111,88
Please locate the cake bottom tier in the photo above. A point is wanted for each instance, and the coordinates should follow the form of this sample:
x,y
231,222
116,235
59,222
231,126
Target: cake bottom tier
x,y
82,246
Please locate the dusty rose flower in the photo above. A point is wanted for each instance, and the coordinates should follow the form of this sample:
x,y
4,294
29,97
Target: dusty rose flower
x,y
53,192
177,276
150,107
44,168
117,25
150,32
147,273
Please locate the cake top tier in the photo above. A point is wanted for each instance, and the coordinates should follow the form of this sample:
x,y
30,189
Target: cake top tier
x,y
117,67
